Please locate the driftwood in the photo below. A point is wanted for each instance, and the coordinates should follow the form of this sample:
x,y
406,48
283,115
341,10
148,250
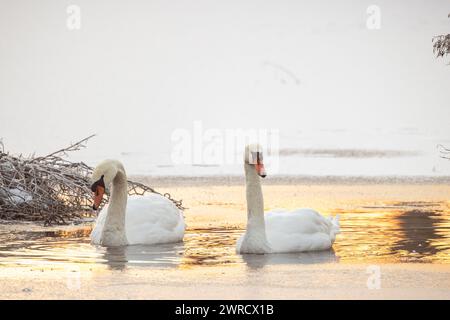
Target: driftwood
x,y
51,188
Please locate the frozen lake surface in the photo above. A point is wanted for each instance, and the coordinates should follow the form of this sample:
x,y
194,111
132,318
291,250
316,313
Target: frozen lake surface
x,y
402,229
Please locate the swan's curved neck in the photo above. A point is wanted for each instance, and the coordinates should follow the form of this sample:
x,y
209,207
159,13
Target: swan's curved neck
x,y
114,233
255,202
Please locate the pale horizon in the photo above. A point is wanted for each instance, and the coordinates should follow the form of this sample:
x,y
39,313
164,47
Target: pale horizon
x,y
137,71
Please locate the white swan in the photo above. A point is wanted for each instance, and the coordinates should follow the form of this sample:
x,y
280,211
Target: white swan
x,y
281,231
148,219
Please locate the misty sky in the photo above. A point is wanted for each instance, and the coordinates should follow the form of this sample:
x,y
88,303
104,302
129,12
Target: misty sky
x,y
137,70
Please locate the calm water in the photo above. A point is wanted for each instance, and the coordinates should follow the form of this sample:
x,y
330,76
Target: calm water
x,y
389,233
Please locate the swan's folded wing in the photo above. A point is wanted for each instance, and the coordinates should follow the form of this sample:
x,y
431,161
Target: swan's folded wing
x,y
153,219
305,221
299,230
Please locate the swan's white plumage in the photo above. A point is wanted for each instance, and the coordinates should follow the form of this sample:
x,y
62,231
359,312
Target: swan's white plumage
x,y
149,219
298,231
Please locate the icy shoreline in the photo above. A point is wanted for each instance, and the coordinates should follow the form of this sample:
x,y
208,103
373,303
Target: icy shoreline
x,y
209,180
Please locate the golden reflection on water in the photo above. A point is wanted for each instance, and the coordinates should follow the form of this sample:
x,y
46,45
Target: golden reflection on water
x,y
388,232
396,232
210,247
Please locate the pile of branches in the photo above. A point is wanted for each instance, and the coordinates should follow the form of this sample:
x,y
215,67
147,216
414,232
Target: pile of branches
x,y
51,188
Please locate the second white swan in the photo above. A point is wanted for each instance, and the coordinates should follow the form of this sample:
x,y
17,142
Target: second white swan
x,y
149,219
280,231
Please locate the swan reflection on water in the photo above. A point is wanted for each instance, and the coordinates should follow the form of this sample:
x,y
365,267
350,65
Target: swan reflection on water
x,y
189,253
171,256
160,256
256,261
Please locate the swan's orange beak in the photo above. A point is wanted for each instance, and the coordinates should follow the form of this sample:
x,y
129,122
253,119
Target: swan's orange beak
x,y
260,170
98,197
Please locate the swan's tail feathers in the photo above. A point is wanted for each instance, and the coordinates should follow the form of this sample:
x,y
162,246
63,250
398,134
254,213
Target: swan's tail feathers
x,y
335,222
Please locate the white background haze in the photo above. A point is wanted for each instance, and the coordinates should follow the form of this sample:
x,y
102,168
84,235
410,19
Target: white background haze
x,y
138,70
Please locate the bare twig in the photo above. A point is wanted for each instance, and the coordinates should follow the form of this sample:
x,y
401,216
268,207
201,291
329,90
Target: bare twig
x,y
63,152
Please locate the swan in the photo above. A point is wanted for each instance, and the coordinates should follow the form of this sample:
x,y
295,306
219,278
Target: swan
x,y
281,231
148,219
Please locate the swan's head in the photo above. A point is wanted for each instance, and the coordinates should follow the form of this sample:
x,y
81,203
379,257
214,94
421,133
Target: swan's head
x,y
102,177
254,156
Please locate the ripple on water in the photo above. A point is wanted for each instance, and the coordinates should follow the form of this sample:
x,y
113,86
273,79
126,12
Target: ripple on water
x,y
393,232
